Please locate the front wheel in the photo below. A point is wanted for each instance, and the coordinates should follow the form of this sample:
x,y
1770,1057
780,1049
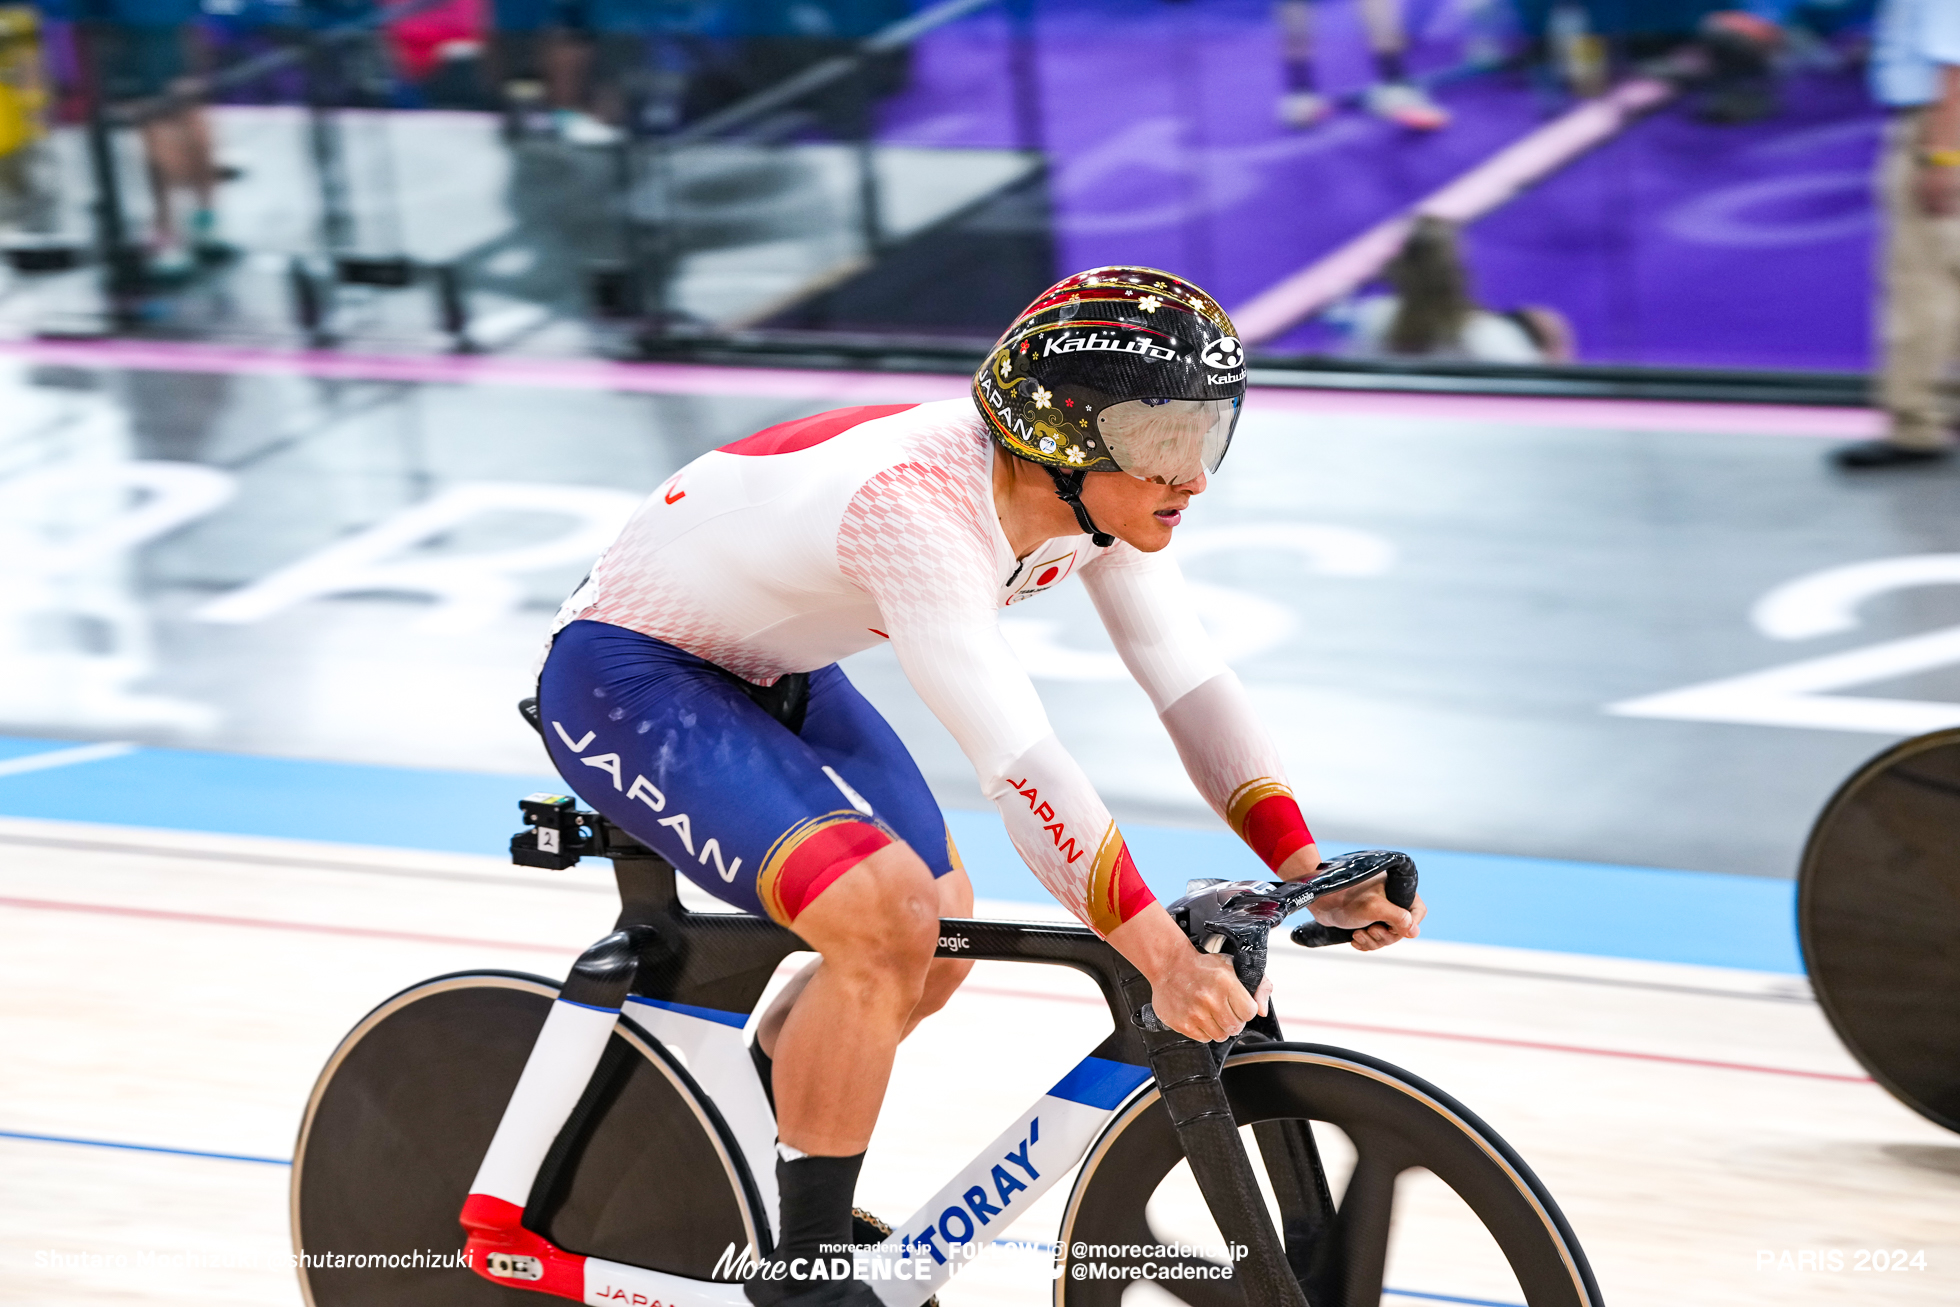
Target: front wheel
x,y
1135,1213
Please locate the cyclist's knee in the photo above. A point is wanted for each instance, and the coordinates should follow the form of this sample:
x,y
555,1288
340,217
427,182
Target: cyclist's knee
x,y
881,916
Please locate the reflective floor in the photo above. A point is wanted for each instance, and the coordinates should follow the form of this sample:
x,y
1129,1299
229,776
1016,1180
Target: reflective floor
x,y
1630,634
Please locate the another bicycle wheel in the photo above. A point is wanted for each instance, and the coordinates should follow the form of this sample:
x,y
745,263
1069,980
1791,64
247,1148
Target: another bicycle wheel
x,y
1340,1249
1878,912
403,1113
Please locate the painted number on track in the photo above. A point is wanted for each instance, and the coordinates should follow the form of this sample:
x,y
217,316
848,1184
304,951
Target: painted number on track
x,y
1803,694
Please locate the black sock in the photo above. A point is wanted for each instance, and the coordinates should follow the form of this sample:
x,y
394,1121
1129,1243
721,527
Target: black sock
x,y
816,1210
765,1067
1389,68
816,1203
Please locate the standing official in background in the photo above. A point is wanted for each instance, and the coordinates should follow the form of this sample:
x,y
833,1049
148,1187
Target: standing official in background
x,y
1915,72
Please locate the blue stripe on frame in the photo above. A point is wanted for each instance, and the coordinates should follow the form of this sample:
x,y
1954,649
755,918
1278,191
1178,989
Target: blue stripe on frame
x,y
1099,1082
590,1007
735,1019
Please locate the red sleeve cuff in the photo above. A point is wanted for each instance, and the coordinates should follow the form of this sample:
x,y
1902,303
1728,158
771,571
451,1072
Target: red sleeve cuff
x,y
1274,828
1116,888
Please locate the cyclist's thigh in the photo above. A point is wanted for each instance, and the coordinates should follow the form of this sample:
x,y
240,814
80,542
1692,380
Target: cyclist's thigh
x,y
854,740
671,750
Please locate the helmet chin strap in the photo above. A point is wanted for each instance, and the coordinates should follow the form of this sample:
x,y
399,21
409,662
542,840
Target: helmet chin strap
x,y
1068,489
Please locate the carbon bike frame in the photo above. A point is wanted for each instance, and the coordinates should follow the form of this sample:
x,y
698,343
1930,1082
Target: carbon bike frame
x,y
690,980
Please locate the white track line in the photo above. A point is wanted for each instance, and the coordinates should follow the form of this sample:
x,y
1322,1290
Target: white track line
x,y
1485,187
66,757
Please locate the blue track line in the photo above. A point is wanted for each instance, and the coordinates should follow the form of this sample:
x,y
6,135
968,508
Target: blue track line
x,y
144,1148
1449,1297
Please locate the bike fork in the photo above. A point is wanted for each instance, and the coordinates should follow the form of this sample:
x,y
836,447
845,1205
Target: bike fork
x,y
1188,1077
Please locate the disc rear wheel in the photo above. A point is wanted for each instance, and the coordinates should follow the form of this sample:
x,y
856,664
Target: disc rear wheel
x,y
403,1114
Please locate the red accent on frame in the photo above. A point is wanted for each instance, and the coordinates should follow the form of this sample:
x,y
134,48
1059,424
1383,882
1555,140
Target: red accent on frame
x,y
788,437
1276,830
822,858
496,1226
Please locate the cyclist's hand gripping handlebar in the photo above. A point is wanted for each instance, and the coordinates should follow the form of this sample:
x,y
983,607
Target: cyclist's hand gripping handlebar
x,y
1352,869
1237,917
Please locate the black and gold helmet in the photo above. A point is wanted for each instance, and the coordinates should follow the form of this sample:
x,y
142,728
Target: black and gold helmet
x,y
1117,370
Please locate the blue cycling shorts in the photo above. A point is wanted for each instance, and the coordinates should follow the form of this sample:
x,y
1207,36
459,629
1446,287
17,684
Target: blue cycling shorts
x,y
674,752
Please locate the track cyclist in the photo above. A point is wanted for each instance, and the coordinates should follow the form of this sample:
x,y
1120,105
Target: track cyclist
x,y
691,693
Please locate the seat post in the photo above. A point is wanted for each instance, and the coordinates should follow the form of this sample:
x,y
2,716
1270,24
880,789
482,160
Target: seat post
x,y
648,895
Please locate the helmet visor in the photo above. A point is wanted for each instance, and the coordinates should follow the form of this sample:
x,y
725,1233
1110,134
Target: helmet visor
x,y
1176,439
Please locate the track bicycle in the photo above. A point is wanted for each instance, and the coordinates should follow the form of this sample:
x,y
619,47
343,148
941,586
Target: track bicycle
x,y
608,1139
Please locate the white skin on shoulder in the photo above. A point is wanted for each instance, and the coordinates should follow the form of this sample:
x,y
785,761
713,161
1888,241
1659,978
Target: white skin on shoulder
x,y
1195,994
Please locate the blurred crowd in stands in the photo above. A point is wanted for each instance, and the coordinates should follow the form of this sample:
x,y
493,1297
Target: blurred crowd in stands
x,y
586,62
591,73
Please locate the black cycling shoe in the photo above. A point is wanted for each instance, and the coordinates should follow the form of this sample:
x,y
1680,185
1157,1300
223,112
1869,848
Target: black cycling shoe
x,y
1884,453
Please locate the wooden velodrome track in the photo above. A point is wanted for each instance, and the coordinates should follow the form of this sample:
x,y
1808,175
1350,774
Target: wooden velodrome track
x,y
180,991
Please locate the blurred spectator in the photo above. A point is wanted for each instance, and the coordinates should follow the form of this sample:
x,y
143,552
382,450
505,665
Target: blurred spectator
x,y
1740,47
1549,330
1915,74
1576,51
1433,315
143,52
355,69
26,192
440,49
1391,95
582,60
1731,51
